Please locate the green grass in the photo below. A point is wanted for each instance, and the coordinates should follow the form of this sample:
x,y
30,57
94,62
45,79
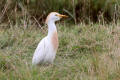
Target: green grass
x,y
86,52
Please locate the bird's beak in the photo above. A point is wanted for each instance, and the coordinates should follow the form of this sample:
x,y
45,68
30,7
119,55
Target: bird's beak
x,y
62,16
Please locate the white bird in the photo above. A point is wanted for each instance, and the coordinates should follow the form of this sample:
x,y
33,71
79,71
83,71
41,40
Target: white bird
x,y
47,48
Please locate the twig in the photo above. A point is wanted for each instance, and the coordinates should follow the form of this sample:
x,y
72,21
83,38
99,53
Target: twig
x,y
73,17
68,13
37,22
74,11
4,11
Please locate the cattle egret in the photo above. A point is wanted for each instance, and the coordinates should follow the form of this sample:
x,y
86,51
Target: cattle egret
x,y
47,48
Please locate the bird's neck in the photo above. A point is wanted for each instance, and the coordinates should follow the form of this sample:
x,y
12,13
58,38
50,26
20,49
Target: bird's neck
x,y
51,28
52,35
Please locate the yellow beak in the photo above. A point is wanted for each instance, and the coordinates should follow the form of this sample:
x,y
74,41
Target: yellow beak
x,y
62,16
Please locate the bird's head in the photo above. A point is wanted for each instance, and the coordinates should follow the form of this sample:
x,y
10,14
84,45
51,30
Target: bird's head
x,y
54,16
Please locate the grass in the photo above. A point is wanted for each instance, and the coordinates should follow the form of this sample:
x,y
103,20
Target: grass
x,y
86,52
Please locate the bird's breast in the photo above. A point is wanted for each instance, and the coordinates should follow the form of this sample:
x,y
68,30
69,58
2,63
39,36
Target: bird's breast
x,y
55,42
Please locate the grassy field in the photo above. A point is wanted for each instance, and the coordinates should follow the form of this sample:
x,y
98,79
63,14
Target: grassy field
x,y
86,52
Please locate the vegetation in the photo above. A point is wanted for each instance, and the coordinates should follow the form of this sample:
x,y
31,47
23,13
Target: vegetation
x,y
78,10
86,52
88,49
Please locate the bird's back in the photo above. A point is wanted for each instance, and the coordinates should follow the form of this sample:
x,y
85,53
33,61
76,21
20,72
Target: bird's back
x,y
39,53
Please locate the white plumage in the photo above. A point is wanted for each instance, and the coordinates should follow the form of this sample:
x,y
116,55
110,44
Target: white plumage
x,y
47,48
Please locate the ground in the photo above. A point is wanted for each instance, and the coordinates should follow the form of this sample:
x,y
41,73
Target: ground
x,y
86,52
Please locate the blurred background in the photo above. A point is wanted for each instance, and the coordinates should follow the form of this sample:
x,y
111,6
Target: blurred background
x,y
103,11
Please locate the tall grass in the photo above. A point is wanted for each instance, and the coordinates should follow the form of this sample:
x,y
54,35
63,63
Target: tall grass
x,y
86,52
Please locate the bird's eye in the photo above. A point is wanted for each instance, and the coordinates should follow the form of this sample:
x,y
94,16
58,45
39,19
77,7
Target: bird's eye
x,y
56,15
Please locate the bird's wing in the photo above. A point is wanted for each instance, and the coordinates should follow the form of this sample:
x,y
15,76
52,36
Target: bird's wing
x,y
39,53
